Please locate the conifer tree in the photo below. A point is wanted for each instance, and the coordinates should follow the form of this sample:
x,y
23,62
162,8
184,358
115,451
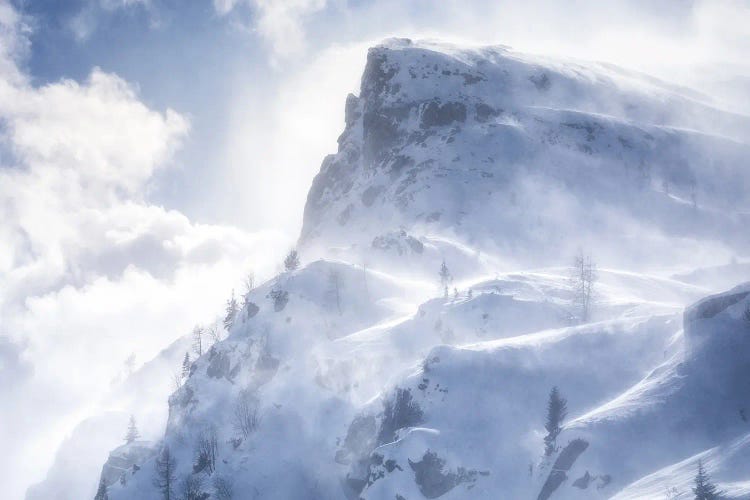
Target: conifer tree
x,y
231,312
165,474
557,410
186,365
704,489
132,433
291,262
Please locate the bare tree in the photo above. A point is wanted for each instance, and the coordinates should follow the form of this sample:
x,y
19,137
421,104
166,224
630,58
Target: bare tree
x,y
191,488
165,473
246,414
198,332
206,449
582,282
177,380
445,278
214,334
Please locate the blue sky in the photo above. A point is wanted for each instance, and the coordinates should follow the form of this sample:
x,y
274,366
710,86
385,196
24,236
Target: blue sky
x,y
138,194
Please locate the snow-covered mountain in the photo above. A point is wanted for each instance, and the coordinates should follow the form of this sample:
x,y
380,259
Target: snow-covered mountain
x,y
362,375
529,157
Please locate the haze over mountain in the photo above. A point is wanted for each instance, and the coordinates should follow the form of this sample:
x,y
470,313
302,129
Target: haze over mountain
x,y
412,353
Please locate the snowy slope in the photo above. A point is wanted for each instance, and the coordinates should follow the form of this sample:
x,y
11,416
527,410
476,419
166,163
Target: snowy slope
x,y
315,371
365,379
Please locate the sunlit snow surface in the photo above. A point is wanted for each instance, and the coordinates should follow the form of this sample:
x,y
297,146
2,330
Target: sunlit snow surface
x,y
502,165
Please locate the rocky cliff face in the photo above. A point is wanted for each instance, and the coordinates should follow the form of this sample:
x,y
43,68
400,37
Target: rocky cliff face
x,y
522,154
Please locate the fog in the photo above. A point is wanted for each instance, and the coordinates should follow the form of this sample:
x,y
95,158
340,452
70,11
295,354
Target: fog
x,y
143,177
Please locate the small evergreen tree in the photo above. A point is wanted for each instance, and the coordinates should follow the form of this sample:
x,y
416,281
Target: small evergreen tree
x,y
291,262
186,365
231,312
165,474
746,313
132,433
557,410
704,489
101,492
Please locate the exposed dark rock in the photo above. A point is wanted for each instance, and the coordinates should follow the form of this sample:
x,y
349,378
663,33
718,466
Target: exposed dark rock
x,y
370,194
584,481
564,462
434,480
399,412
219,365
710,307
541,82
484,113
435,114
280,299
251,309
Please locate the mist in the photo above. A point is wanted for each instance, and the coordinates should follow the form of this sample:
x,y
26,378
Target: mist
x,y
155,155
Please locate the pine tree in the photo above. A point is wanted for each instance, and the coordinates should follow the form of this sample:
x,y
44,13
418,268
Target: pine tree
x,y
101,492
746,313
291,262
186,365
231,312
165,474
704,488
132,433
557,410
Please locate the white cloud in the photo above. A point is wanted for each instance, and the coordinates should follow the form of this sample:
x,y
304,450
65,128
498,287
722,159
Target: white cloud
x,y
90,270
281,23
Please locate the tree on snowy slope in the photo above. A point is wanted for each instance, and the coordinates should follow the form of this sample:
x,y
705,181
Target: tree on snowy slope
x,y
334,289
582,280
445,278
249,287
198,339
291,262
191,488
231,312
165,474
186,365
557,410
746,313
704,489
132,433
101,492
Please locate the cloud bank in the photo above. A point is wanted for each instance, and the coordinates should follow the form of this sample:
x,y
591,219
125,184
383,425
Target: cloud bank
x,y
91,271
